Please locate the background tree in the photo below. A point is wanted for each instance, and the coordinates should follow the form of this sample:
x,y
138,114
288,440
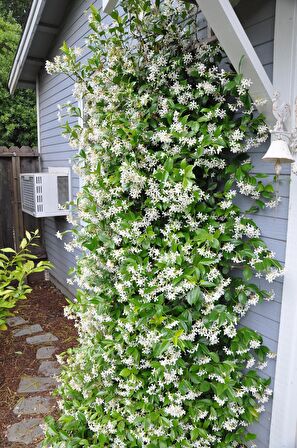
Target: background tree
x,y
18,112
18,9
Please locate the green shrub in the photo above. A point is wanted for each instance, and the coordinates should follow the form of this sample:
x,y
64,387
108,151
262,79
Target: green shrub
x,y
14,270
18,111
169,261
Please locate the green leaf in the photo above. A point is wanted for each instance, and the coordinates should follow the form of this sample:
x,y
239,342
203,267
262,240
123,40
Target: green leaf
x,y
168,165
204,386
242,298
176,336
198,432
125,372
194,378
8,250
194,295
207,284
247,273
161,348
201,235
250,436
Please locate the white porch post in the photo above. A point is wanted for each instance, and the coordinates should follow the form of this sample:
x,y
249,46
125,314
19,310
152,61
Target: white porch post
x,y
284,413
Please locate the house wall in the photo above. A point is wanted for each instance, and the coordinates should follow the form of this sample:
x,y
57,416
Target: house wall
x,y
257,17
55,152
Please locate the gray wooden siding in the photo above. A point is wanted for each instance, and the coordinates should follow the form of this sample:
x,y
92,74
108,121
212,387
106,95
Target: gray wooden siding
x,y
54,149
257,17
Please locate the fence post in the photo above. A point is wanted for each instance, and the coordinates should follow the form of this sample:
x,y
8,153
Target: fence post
x,y
17,206
15,222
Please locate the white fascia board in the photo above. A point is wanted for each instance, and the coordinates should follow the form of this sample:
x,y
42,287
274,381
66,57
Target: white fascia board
x,y
222,18
283,431
24,46
108,5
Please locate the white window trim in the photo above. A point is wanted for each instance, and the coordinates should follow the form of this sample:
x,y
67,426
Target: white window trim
x,y
283,432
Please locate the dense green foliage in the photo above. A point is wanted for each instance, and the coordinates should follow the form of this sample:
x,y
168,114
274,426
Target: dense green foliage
x,y
14,270
170,263
18,9
17,112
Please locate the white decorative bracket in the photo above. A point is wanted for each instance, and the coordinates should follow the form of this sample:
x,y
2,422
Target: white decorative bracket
x,y
282,112
108,5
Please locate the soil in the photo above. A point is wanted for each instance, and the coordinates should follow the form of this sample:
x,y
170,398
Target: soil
x,y
44,306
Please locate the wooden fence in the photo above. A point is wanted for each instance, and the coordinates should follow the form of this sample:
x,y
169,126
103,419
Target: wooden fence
x,y
13,222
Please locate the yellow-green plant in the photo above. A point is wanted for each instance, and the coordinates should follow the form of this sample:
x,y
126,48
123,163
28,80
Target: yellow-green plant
x,y
14,270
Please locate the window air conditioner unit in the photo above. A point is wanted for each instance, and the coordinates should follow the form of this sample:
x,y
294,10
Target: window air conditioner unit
x,y
45,194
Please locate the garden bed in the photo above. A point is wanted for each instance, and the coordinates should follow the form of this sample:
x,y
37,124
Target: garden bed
x,y
45,307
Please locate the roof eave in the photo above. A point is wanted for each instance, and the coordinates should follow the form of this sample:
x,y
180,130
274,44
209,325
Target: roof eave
x,y
25,42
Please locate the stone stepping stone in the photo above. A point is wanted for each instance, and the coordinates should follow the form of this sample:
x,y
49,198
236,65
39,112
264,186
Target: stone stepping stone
x,y
27,431
49,368
45,352
25,331
34,405
15,321
31,384
41,339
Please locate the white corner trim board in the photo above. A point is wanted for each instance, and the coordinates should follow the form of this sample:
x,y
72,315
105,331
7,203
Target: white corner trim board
x,y
223,20
38,115
24,45
108,5
283,431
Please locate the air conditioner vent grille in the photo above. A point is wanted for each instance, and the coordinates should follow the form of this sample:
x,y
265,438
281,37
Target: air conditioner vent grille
x,y
28,193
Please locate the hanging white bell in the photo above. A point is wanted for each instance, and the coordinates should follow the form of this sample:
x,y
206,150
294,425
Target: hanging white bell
x,y
278,152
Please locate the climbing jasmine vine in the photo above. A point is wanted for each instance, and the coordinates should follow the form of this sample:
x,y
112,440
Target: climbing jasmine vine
x,y
169,262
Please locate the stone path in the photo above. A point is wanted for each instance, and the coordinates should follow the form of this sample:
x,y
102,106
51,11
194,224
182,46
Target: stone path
x,y
32,406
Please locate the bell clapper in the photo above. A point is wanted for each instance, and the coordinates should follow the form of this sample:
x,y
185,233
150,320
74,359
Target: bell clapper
x,y
278,167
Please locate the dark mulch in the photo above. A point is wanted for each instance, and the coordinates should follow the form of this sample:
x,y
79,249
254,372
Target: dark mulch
x,y
45,307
